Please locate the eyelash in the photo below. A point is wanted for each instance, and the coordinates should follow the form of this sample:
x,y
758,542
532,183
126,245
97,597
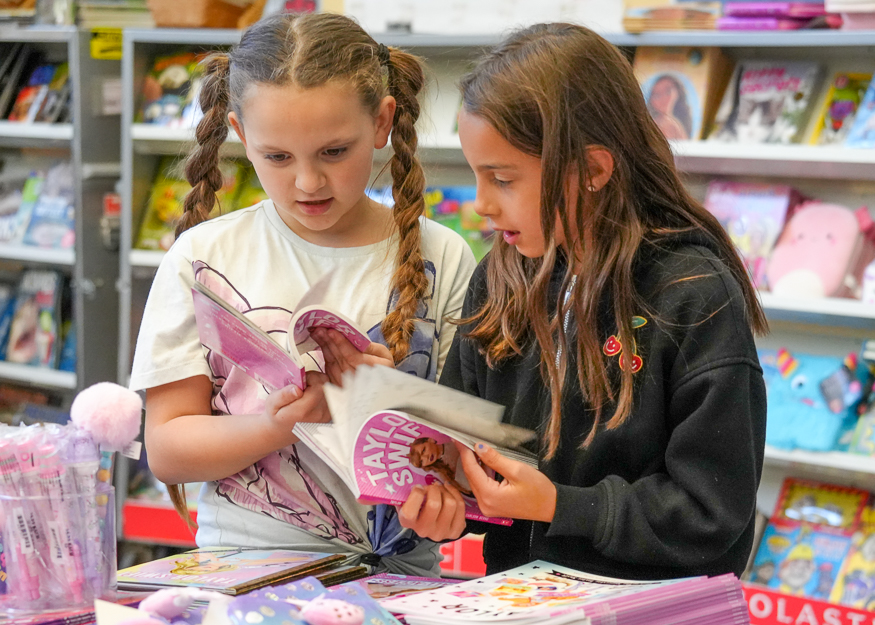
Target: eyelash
x,y
276,158
330,153
500,183
339,152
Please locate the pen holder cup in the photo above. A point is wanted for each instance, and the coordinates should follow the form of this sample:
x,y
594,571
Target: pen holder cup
x,y
58,553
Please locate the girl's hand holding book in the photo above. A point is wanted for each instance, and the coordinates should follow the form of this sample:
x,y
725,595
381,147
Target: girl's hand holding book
x,y
524,493
436,512
341,355
289,405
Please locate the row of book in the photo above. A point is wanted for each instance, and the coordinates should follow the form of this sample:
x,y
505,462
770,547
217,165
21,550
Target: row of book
x,y
539,592
38,208
32,89
693,93
819,542
700,93
452,206
644,15
36,326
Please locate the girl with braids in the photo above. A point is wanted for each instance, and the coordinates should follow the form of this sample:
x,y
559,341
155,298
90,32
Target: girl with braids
x,y
613,316
311,97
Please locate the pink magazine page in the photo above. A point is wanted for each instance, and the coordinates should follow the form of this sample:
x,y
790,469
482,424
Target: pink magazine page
x,y
392,454
320,317
225,332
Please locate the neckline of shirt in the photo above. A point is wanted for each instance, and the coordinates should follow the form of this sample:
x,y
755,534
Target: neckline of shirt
x,y
320,250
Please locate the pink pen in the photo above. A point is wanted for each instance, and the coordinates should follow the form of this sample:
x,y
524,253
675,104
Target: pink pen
x,y
25,578
65,551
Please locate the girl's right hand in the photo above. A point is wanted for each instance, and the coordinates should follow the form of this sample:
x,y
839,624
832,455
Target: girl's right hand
x,y
436,512
287,406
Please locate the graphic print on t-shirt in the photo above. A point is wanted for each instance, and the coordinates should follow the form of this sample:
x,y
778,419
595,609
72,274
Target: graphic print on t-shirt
x,y
278,485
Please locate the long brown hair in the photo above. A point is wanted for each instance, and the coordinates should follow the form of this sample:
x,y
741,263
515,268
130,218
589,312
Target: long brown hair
x,y
552,91
308,51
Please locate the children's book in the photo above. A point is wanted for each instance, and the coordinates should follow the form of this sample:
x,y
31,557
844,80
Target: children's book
x,y
56,95
753,215
165,204
682,87
800,558
52,222
774,9
855,583
391,432
642,15
225,569
862,132
32,95
225,331
840,107
386,585
541,592
767,102
307,602
167,89
33,331
839,507
454,208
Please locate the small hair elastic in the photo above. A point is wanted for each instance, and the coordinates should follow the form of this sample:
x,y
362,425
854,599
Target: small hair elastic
x,y
383,54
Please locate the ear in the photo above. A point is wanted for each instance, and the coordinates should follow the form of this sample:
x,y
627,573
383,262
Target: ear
x,y
600,163
383,121
237,125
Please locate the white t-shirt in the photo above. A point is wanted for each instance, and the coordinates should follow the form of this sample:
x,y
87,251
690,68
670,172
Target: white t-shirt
x,y
254,261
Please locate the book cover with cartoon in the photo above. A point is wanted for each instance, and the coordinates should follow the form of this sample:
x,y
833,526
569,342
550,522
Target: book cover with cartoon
x,y
767,102
799,559
224,569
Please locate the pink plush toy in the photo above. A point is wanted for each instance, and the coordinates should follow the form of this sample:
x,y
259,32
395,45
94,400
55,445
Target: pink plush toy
x,y
111,413
822,252
325,611
169,603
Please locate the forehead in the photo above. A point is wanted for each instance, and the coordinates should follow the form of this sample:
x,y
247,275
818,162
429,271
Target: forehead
x,y
282,112
485,147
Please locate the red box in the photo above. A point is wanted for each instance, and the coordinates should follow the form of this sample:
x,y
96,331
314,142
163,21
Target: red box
x,y
768,607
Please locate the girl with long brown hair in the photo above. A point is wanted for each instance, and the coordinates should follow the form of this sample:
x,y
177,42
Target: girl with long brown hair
x,y
613,316
311,97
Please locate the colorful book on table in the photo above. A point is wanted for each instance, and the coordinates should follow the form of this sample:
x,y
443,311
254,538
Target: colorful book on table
x,y
541,592
228,333
227,570
391,432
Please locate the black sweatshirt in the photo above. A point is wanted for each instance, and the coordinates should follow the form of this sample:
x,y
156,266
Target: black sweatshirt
x,y
671,492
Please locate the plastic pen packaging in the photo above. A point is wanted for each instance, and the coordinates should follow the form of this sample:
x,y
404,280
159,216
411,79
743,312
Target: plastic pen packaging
x,y
57,522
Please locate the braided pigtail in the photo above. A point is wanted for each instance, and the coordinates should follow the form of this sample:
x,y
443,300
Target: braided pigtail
x,y
202,166
406,79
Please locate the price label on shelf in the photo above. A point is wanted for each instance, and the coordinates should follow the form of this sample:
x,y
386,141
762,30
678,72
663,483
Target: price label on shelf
x,y
106,44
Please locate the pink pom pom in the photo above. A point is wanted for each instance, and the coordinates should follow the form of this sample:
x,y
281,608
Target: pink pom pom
x,y
109,412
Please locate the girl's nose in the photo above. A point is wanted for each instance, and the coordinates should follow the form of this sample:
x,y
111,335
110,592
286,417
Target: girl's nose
x,y
309,179
482,205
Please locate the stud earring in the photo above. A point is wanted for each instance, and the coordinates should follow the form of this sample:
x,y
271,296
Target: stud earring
x,y
590,187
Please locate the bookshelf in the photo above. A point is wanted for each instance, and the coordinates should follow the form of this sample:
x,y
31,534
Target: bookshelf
x,y
90,142
827,326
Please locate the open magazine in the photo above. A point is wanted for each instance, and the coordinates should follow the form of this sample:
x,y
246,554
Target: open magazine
x,y
227,332
391,431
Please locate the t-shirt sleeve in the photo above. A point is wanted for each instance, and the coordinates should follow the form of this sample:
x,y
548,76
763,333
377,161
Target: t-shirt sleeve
x,y
168,348
457,268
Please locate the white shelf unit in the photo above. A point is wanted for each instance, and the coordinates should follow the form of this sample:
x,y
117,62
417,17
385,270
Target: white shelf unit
x,y
826,326
91,143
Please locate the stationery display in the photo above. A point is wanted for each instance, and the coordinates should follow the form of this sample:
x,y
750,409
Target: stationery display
x,y
57,504
228,570
57,520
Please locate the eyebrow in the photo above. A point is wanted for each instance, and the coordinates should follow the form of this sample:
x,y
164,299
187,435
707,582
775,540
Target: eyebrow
x,y
339,142
492,166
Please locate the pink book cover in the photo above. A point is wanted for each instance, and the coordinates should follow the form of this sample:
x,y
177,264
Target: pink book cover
x,y
773,9
239,340
761,23
393,453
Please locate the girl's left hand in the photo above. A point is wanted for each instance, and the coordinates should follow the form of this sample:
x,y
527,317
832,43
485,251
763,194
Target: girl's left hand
x,y
341,355
525,493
